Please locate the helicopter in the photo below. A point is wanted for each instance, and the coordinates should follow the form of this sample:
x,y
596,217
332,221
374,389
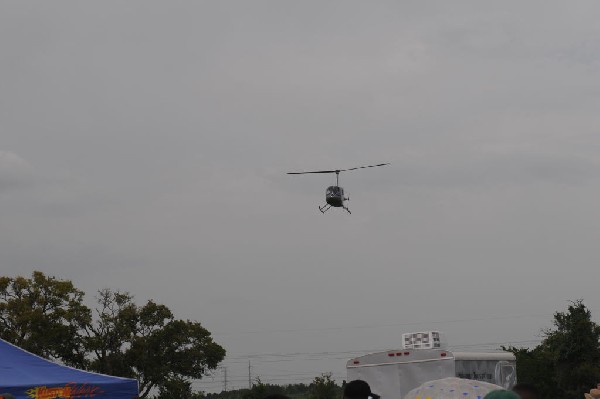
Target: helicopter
x,y
334,195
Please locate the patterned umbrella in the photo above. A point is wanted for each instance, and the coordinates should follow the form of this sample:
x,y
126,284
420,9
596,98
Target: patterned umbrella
x,y
452,388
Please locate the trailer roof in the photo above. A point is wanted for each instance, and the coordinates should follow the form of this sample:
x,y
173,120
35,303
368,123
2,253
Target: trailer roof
x,y
484,356
423,355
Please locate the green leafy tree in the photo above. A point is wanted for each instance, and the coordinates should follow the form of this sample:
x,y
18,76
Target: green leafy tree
x,y
324,387
567,362
149,344
260,390
178,388
45,316
536,367
110,335
574,348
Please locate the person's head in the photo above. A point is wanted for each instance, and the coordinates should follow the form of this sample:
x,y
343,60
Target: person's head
x,y
358,389
501,394
527,391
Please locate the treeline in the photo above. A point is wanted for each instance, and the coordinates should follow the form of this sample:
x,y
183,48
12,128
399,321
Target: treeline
x,y
293,391
322,387
48,317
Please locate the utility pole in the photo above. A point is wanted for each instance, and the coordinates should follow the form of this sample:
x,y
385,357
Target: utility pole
x,y
249,375
224,369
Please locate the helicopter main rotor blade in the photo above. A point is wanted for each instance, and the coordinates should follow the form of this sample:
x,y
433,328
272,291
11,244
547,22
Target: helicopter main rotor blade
x,y
363,167
318,171
338,170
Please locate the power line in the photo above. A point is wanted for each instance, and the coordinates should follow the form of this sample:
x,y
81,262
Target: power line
x,y
411,323
266,378
295,355
291,376
283,375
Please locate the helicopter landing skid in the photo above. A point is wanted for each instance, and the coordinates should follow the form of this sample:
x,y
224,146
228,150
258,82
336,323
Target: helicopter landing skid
x,y
324,208
327,207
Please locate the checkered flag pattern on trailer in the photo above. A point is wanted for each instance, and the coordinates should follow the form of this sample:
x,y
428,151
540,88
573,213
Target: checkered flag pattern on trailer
x,y
422,340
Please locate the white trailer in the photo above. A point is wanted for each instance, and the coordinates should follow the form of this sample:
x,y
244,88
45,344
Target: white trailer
x,y
392,374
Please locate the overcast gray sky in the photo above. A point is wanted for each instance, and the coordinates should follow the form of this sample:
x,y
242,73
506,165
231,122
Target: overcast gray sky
x,y
144,145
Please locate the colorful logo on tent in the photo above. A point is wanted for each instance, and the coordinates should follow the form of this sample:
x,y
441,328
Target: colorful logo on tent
x,y
69,391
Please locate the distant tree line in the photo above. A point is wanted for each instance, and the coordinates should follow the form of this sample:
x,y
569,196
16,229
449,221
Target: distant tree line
x,y
48,317
322,387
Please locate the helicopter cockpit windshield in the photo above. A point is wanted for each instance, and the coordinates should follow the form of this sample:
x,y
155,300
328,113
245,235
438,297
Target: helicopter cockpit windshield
x,y
334,192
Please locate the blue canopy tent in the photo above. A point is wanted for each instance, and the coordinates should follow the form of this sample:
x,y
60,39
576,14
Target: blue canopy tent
x,y
27,376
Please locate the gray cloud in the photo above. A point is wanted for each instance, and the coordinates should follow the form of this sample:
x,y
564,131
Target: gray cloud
x,y
15,172
484,170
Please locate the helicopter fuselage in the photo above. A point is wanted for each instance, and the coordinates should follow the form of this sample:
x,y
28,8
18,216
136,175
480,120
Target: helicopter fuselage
x,y
334,196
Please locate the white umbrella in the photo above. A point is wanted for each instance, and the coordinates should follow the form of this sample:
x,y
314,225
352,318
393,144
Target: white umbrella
x,y
452,388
